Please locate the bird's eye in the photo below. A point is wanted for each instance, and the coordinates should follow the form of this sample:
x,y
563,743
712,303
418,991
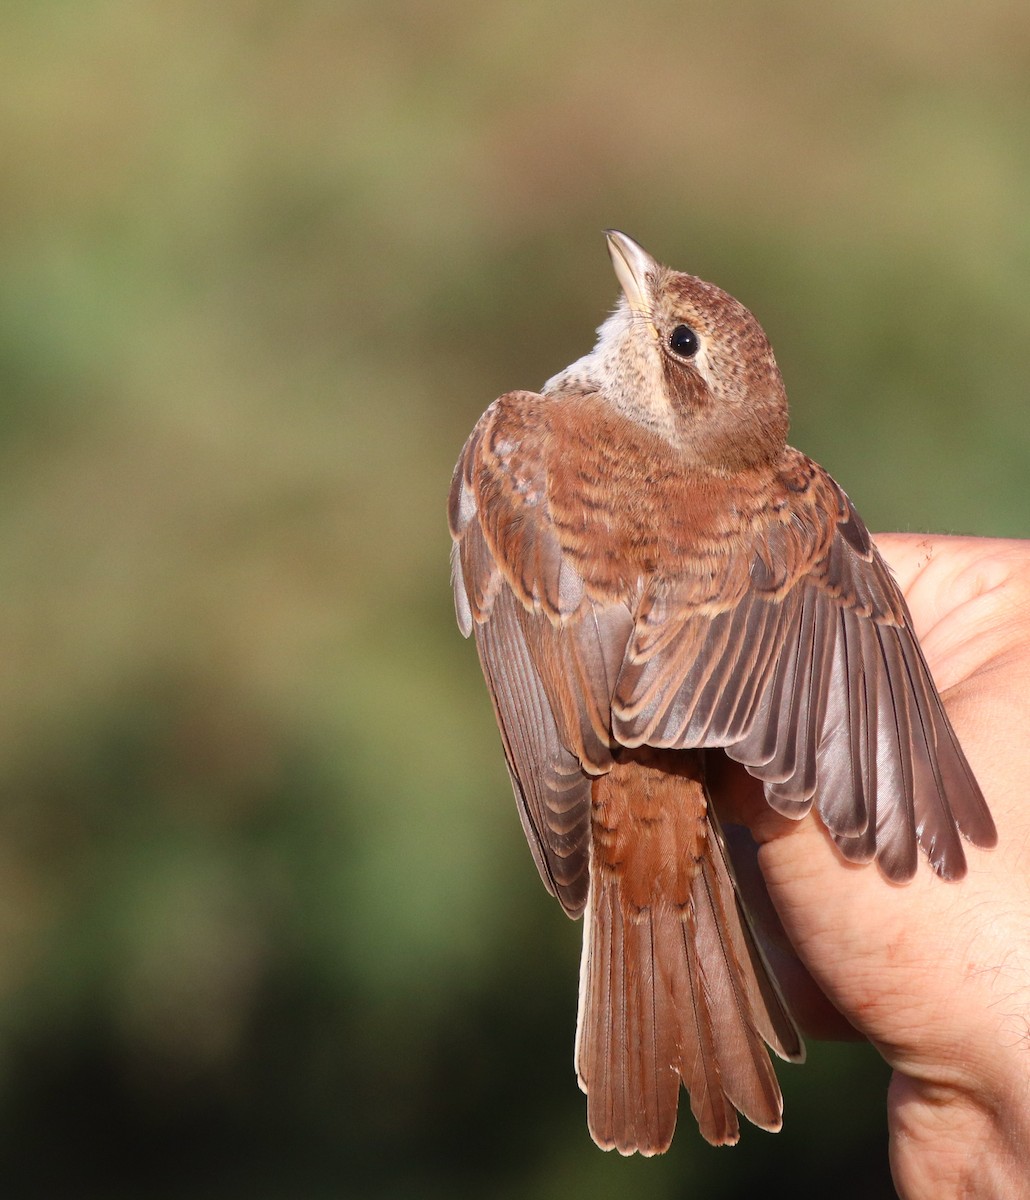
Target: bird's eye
x,y
684,341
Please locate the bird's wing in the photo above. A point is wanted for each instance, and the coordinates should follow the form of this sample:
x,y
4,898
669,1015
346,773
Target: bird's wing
x,y
796,654
550,653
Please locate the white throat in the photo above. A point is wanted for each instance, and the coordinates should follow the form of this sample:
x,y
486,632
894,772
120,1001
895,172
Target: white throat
x,y
625,367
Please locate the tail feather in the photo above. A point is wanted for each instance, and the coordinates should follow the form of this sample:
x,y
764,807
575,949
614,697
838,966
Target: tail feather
x,y
698,1065
747,1077
627,1052
673,988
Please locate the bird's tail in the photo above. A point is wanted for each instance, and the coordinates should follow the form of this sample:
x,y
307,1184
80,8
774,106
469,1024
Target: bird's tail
x,y
673,987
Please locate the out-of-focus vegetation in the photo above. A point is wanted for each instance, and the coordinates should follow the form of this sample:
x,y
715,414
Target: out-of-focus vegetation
x,y
267,924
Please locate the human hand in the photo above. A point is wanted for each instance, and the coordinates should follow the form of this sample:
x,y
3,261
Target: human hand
x,y
935,974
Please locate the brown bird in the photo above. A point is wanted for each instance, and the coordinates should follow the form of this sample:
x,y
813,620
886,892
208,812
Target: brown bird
x,y
655,577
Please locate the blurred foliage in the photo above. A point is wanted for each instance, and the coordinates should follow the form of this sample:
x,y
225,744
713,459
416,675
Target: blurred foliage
x,y
267,924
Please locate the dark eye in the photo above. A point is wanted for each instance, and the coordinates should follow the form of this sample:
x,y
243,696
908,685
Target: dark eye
x,y
684,341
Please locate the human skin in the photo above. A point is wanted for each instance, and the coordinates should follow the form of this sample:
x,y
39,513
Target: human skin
x,y
936,974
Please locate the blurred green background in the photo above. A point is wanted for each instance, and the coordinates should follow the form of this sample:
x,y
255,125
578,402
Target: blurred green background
x,y
268,926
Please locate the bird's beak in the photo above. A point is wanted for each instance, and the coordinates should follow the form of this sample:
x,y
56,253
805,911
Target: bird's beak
x,y
632,265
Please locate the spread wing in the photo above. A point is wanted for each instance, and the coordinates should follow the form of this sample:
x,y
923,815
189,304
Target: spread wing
x,y
768,626
809,673
550,654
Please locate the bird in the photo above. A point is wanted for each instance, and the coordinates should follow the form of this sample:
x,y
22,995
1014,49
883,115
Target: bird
x,y
656,581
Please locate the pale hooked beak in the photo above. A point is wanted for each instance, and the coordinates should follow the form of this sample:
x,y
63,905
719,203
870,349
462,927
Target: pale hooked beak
x,y
632,265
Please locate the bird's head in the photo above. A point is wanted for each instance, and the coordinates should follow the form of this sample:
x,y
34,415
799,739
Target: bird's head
x,y
685,359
